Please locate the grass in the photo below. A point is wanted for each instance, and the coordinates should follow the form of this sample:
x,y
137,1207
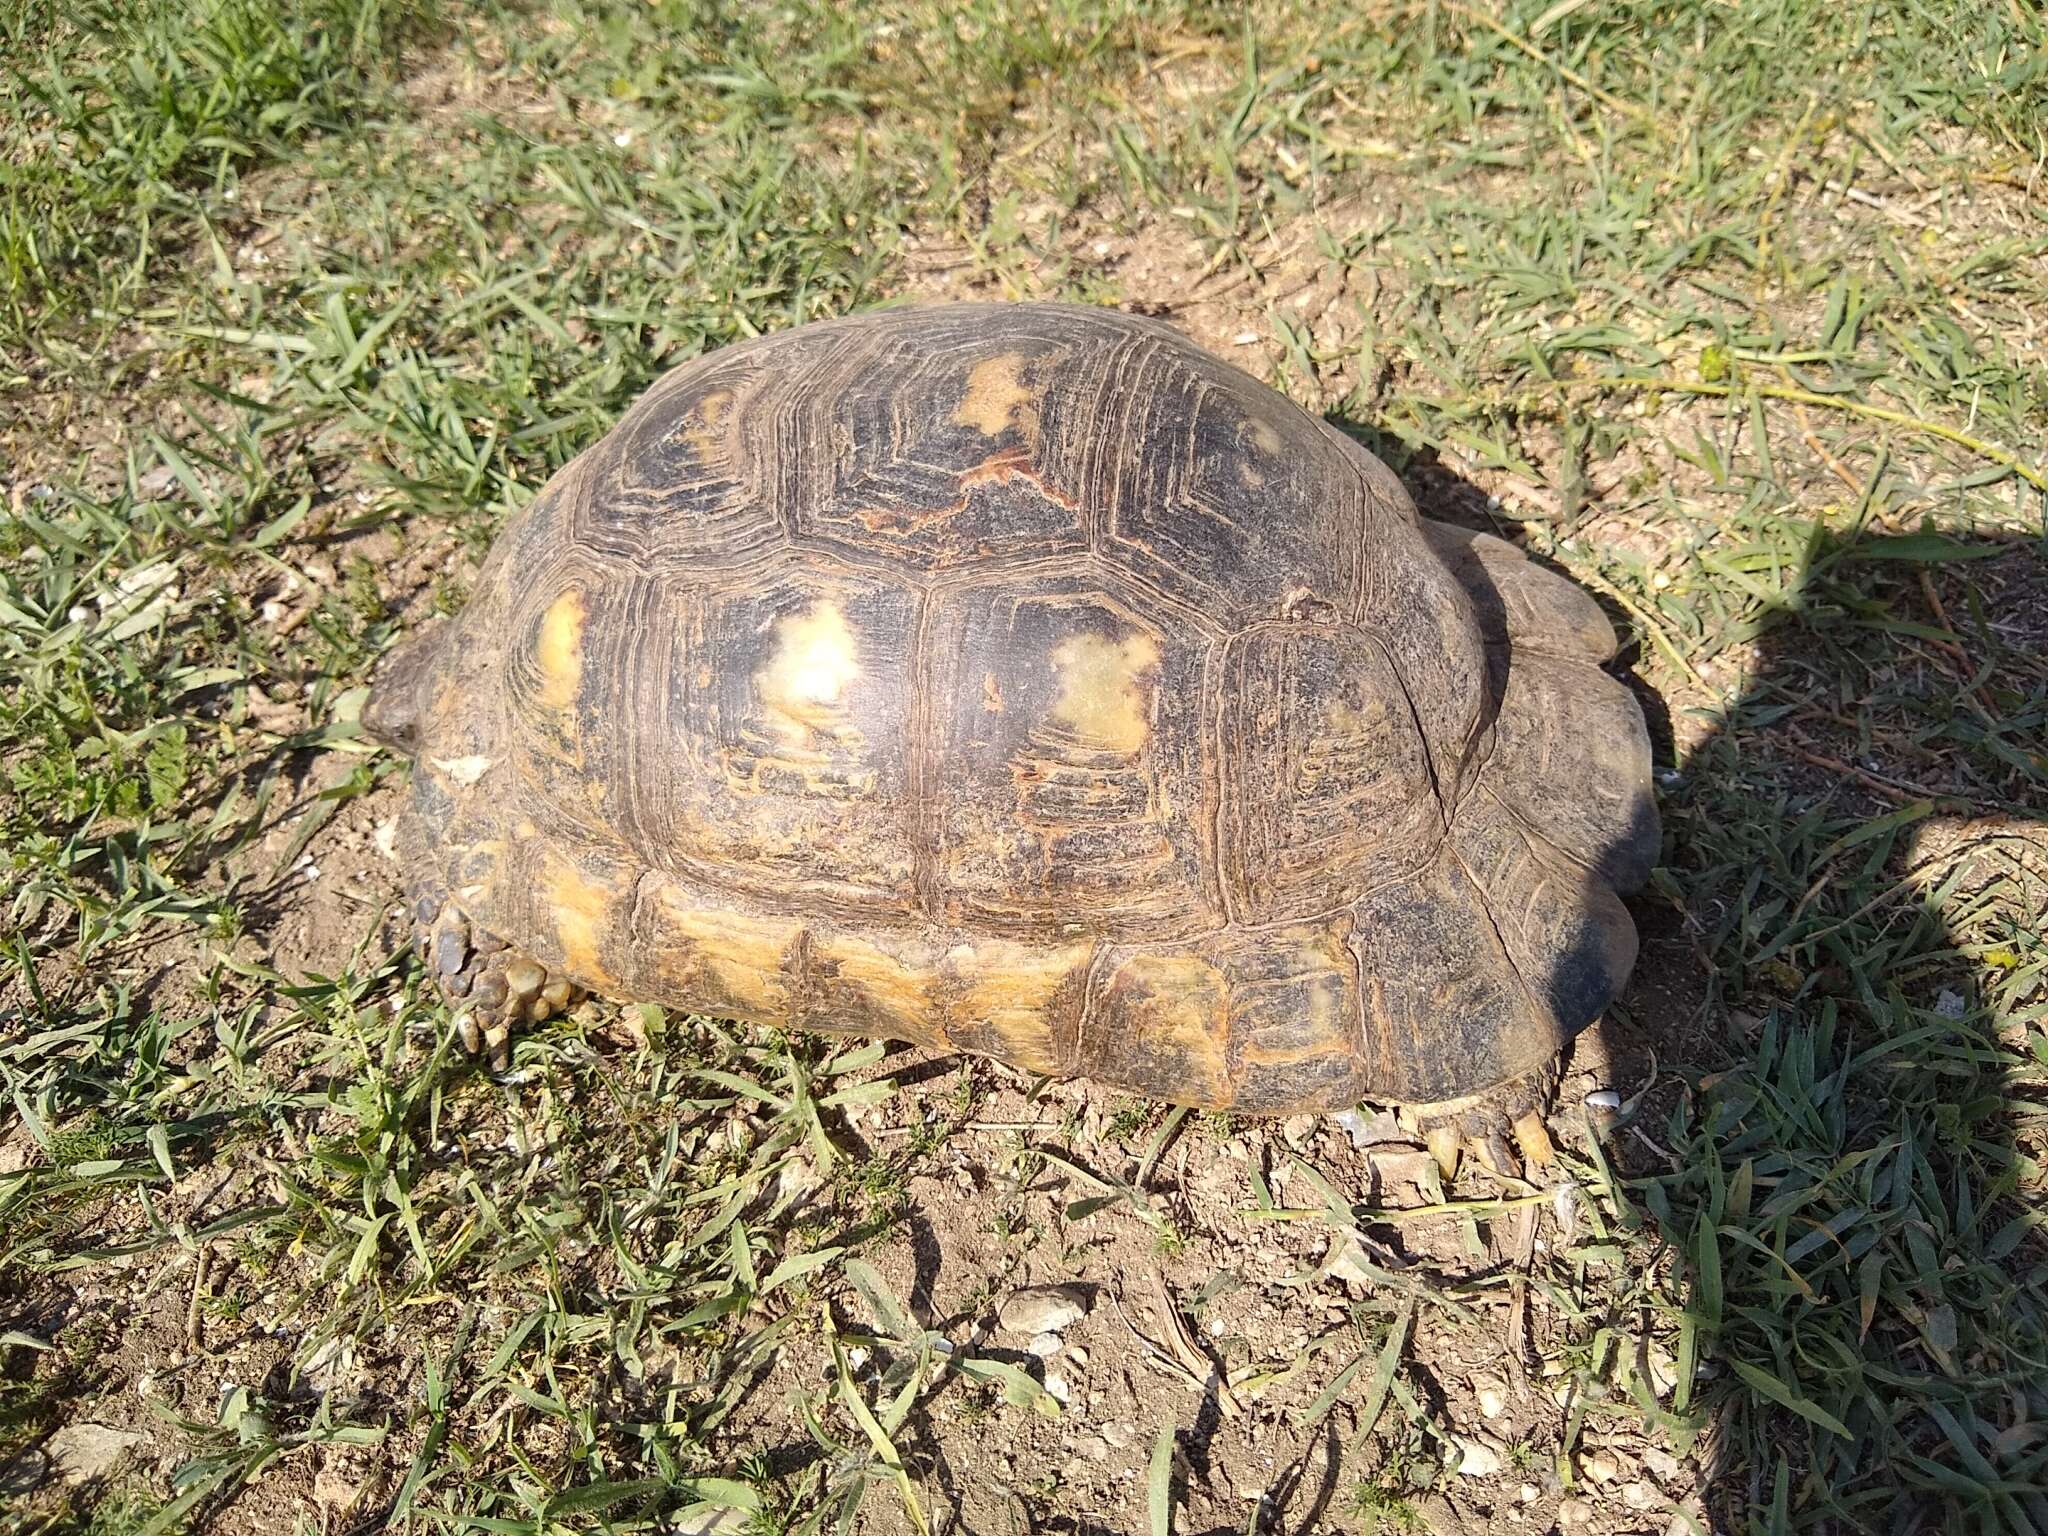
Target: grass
x,y
301,300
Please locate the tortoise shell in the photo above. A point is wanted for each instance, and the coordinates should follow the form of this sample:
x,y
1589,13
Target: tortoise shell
x,y
1020,679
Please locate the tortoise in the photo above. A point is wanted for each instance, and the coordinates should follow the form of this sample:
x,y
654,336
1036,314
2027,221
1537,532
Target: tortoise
x,y
1020,679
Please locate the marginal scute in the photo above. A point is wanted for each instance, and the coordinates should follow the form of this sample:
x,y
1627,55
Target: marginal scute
x,y
1570,760
718,958
1518,603
586,914
1159,1024
1446,1013
1295,1016
1565,932
1018,1001
570,901
879,984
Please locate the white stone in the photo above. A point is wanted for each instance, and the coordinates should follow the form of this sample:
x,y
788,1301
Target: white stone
x,y
1574,1513
1640,1496
79,1453
1056,1387
796,1177
1475,1457
1661,1369
1042,1309
1662,1464
1364,1132
1599,1467
1043,1345
1415,1168
1346,1259
465,771
713,1522
1492,1394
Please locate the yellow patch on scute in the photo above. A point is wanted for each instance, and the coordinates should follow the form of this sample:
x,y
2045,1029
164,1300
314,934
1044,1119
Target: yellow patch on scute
x,y
704,427
558,654
1106,689
1012,991
998,398
1164,1018
740,957
804,686
896,987
583,911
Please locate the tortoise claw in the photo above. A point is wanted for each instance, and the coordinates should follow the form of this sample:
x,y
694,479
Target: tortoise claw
x,y
1533,1136
1445,1145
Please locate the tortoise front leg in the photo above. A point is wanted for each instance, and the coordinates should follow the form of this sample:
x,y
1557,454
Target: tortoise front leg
x,y
1493,1125
491,988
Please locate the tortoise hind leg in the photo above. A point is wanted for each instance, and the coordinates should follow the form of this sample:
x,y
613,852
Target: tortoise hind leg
x,y
490,987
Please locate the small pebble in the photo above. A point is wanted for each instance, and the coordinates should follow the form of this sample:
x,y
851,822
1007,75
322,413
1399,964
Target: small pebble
x,y
1043,1345
1043,1309
1056,1386
1573,1514
1529,1493
1662,1464
1492,1393
1600,1467
1364,1132
1476,1458
1640,1496
1606,1099
1347,1260
1661,1369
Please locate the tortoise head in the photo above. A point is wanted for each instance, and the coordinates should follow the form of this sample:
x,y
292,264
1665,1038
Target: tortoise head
x,y
403,686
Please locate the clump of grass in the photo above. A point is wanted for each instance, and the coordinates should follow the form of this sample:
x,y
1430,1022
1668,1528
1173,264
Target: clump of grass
x,y
129,121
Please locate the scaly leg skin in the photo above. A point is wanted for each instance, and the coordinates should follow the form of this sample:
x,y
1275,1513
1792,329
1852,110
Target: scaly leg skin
x,y
1493,1126
491,988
